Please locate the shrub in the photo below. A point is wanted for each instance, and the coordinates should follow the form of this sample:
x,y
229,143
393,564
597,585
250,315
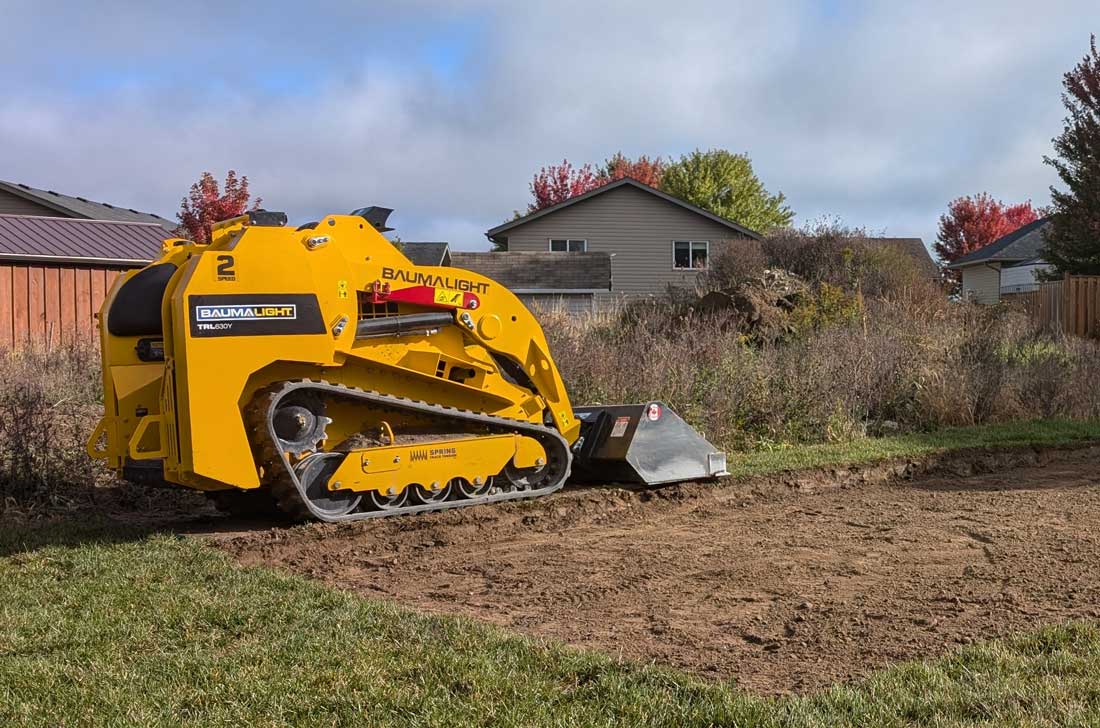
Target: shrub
x,y
49,403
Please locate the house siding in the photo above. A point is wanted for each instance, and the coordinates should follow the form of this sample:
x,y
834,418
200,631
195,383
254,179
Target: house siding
x,y
634,225
1022,278
982,283
15,205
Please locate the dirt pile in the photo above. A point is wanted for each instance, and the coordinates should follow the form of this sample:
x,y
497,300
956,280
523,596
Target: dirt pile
x,y
759,306
785,584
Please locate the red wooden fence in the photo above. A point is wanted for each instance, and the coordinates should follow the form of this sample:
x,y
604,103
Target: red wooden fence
x,y
50,305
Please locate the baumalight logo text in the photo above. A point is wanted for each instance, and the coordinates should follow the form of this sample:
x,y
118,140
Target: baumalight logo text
x,y
267,312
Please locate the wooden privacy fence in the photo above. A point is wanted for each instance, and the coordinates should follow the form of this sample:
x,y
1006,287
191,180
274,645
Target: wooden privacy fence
x,y
50,305
1072,304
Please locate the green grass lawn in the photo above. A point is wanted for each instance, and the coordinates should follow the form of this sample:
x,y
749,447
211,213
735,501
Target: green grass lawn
x,y
99,630
103,627
870,450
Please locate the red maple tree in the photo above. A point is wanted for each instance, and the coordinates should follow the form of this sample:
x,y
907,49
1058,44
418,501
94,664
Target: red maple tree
x,y
558,182
971,223
645,170
206,204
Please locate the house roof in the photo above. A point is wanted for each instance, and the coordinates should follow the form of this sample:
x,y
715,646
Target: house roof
x,y
546,271
625,181
57,239
81,207
426,253
1023,244
915,249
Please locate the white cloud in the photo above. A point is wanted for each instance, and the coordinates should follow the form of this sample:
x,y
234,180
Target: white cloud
x,y
879,113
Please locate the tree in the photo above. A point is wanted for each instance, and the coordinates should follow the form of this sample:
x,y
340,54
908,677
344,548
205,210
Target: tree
x,y
1073,240
971,223
725,184
643,169
558,182
205,204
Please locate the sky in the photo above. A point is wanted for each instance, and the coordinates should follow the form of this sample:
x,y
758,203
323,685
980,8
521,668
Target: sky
x,y
873,113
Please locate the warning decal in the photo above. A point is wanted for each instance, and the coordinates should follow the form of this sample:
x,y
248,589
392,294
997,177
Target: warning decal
x,y
620,427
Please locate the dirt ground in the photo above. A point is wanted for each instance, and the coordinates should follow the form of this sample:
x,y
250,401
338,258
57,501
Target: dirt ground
x,y
780,585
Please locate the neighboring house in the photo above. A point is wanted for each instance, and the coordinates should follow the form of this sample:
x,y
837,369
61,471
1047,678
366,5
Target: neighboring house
x,y
1007,265
576,282
21,199
658,240
427,253
55,272
541,280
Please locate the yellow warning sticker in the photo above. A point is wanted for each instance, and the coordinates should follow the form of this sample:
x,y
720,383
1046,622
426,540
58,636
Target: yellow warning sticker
x,y
342,290
448,297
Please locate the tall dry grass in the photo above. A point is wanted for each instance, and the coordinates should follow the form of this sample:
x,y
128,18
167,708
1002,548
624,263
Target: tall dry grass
x,y
49,402
875,348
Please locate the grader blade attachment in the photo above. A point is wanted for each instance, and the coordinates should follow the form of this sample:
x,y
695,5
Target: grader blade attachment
x,y
641,443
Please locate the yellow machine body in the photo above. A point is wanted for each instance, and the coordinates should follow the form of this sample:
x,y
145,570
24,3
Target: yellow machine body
x,y
192,342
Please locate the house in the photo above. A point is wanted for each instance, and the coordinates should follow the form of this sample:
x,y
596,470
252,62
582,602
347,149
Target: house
x,y
21,199
657,240
1006,266
56,271
540,280
577,283
426,253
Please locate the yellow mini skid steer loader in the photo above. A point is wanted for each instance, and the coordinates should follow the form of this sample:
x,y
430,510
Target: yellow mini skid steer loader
x,y
319,371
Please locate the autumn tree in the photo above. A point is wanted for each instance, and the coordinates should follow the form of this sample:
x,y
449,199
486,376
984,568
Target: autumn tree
x,y
206,204
643,169
558,182
725,184
1073,240
971,223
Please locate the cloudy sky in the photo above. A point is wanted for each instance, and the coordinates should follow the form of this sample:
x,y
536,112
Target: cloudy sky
x,y
874,112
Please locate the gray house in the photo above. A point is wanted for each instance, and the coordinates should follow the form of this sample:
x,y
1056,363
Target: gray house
x,y
541,280
1007,265
656,239
576,283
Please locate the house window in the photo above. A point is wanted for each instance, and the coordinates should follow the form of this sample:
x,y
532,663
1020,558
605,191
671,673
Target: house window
x,y
690,254
561,245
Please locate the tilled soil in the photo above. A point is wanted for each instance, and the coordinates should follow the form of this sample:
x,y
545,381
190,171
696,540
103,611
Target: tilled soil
x,y
781,585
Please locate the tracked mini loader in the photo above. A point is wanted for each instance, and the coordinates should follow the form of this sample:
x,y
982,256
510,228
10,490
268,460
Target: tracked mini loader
x,y
318,370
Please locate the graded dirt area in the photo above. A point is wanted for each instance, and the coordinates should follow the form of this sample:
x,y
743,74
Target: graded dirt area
x,y
781,585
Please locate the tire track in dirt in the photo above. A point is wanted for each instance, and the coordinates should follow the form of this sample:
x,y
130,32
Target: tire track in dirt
x,y
782,585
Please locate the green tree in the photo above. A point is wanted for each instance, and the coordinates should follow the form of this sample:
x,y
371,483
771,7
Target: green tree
x,y
725,184
1073,240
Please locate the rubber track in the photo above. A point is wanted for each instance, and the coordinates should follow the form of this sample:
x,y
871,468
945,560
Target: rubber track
x,y
270,451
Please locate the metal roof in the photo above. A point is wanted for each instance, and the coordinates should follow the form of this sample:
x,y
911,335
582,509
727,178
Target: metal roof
x,y
1023,244
613,186
426,253
544,270
81,207
56,239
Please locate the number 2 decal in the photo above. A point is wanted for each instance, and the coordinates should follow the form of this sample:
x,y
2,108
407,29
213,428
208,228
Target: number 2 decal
x,y
225,271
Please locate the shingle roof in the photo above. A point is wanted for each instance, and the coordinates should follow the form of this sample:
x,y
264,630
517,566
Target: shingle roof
x,y
615,185
426,253
541,271
914,248
81,207
1024,244
65,238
